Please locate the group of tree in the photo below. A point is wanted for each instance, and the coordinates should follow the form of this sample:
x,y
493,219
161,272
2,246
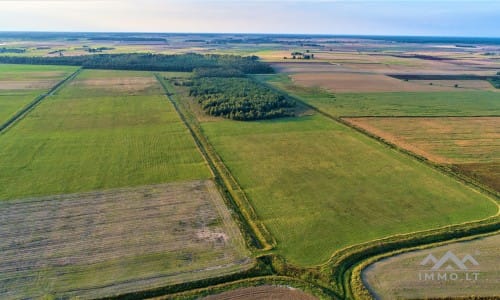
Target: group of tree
x,y
128,39
220,82
150,62
12,50
96,50
301,55
240,98
218,72
495,80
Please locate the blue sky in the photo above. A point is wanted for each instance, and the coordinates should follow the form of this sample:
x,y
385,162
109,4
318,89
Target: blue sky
x,y
389,17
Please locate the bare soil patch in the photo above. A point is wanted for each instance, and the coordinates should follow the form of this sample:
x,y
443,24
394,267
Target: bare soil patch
x,y
26,84
121,84
293,67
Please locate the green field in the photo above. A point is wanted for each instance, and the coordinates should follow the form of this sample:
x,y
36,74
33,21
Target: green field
x,y
320,186
463,103
21,84
105,129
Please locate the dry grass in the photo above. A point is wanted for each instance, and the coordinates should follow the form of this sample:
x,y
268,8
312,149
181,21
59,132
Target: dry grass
x,y
117,241
379,63
398,277
9,85
108,83
294,67
470,144
462,84
453,140
262,293
119,84
21,84
487,173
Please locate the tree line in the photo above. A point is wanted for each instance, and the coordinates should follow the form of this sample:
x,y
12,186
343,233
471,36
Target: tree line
x,y
150,62
220,82
12,50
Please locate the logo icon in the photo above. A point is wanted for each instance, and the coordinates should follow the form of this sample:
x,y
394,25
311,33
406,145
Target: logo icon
x,y
449,262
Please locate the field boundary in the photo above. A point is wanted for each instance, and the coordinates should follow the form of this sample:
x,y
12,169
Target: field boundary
x,y
276,280
258,236
338,269
367,291
440,167
24,111
443,169
99,216
418,116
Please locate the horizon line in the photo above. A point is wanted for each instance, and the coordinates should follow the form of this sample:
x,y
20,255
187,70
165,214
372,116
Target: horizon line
x,y
256,33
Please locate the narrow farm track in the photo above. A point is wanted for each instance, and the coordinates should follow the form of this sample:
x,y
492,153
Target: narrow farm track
x,y
20,114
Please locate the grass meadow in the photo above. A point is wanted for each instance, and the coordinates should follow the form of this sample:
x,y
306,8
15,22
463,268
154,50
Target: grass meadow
x,y
320,186
21,84
460,103
103,130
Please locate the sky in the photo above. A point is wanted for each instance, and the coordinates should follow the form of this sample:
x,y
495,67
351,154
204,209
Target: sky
x,y
371,17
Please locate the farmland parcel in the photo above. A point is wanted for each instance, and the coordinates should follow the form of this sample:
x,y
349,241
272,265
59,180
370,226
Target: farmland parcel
x,y
21,84
320,186
165,224
105,129
469,144
118,241
485,103
403,276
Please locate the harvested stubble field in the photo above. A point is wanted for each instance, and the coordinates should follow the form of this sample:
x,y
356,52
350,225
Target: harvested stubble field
x,y
385,63
21,84
320,186
349,82
450,140
266,292
105,135
397,277
471,143
109,242
101,83
453,103
450,84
